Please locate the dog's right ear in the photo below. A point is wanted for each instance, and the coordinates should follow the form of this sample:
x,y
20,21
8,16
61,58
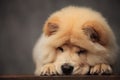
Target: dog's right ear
x,y
50,28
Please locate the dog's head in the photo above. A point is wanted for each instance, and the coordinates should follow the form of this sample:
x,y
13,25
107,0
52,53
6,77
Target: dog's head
x,y
80,38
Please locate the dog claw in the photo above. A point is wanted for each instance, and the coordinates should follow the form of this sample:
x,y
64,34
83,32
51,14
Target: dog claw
x,y
101,69
48,70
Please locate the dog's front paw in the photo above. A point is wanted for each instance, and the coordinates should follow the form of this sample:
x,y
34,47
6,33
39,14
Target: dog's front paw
x,y
48,69
101,69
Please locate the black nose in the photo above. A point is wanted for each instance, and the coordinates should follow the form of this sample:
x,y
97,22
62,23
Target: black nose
x,y
67,69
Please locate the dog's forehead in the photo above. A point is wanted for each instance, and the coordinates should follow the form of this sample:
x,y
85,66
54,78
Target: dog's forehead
x,y
71,45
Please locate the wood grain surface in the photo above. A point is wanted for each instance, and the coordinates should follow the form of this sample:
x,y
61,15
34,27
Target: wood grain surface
x,y
75,77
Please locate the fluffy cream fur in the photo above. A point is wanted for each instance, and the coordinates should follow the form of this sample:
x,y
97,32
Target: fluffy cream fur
x,y
72,29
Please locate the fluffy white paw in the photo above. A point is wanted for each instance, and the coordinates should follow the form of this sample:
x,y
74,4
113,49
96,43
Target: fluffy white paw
x,y
101,69
47,70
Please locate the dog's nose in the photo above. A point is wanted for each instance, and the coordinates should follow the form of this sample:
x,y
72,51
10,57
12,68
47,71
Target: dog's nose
x,y
67,69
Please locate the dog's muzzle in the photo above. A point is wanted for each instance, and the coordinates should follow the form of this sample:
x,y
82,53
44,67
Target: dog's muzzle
x,y
67,69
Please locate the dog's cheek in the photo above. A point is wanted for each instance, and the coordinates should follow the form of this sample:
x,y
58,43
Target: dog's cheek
x,y
85,69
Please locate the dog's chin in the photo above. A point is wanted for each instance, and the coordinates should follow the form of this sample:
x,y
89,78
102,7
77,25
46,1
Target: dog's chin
x,y
81,70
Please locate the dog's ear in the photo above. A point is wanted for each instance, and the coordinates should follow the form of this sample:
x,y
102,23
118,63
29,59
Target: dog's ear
x,y
92,34
96,32
50,28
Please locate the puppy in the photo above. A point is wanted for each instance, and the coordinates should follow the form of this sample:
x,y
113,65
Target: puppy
x,y
75,40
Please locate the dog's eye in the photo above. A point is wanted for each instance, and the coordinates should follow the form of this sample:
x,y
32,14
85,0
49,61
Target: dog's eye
x,y
82,51
60,49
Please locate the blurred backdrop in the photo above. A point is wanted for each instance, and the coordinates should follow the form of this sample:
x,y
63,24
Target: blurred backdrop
x,y
21,24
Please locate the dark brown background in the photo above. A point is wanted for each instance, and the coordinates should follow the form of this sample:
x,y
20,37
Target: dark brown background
x,y
21,24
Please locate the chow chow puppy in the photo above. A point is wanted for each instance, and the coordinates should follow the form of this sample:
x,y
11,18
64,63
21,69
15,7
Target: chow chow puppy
x,y
75,40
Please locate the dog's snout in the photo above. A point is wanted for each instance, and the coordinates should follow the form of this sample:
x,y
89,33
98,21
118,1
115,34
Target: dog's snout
x,y
67,69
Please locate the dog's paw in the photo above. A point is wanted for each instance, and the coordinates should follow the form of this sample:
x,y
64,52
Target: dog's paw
x,y
101,69
48,70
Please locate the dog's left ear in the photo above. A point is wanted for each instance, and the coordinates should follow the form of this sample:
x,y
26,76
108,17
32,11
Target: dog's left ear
x,y
96,33
50,28
92,33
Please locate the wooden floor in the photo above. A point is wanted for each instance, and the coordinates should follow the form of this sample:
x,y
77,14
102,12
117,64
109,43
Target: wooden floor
x,y
76,77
